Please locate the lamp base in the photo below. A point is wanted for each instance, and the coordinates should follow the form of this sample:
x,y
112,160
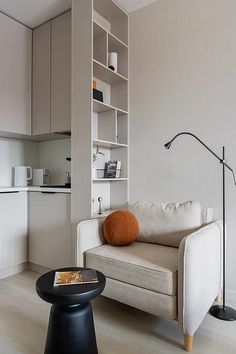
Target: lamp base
x,y
226,314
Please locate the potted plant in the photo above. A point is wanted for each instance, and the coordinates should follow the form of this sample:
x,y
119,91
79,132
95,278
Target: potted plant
x,y
96,155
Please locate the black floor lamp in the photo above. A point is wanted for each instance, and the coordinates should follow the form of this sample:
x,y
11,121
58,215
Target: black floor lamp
x,y
219,311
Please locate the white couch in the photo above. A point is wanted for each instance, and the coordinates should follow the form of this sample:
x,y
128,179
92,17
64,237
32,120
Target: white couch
x,y
173,270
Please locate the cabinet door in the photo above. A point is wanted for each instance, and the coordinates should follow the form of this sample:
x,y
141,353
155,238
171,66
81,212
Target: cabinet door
x,y
49,230
61,74
41,80
13,229
15,77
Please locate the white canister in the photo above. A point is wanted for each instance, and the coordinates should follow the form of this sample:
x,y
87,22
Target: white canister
x,y
23,174
112,61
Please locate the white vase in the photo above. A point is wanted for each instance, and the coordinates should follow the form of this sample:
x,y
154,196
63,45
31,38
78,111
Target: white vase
x,y
112,61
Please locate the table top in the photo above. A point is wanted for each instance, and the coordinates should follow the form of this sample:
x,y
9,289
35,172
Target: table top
x,y
68,294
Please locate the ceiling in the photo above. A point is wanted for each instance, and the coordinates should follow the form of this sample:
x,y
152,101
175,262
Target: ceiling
x,y
34,12
132,5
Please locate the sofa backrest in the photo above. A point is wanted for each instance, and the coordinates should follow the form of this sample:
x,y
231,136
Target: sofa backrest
x,y
168,224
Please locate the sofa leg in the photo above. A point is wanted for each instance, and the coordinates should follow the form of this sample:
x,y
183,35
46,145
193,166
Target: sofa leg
x,y
188,343
219,296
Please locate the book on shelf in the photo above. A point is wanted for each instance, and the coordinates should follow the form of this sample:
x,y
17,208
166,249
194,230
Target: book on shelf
x,y
85,276
112,169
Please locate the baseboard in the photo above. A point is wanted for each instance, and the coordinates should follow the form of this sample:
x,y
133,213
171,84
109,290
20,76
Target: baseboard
x,y
37,268
13,270
231,295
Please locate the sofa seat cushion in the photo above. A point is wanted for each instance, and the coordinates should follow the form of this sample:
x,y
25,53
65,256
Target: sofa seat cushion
x,y
146,265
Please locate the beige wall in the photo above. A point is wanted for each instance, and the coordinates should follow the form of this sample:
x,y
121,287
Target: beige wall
x,y
183,78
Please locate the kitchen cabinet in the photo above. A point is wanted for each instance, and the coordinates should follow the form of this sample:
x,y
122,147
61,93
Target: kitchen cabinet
x,y
13,230
41,79
15,74
52,76
61,73
49,243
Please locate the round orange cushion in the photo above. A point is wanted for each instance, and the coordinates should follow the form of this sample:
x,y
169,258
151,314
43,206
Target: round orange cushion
x,y
120,228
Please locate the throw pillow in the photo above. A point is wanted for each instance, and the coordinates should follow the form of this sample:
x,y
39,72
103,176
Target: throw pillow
x,y
120,228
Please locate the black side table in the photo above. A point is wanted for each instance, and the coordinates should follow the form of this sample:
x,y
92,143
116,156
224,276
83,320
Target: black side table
x,y
71,327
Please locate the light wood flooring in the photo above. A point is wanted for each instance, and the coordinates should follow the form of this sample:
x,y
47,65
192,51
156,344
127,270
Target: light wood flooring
x,y
120,329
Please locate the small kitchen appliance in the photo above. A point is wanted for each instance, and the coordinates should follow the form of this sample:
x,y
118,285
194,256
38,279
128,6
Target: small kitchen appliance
x,y
22,176
40,177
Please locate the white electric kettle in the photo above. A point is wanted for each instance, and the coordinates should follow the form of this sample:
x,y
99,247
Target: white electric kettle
x,y
23,174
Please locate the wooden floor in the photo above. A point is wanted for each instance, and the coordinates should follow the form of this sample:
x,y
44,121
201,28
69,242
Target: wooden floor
x,y
120,329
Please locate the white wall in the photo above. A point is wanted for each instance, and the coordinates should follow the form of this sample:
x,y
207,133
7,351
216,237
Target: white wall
x,y
49,154
14,153
183,78
52,155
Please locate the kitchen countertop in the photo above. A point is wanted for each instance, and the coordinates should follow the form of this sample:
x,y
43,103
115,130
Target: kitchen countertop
x,y
35,189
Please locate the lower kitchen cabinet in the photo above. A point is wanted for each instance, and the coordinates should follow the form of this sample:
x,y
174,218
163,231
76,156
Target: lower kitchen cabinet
x,y
49,243
13,231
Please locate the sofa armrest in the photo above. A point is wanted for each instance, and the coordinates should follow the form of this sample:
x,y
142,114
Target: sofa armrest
x,y
89,235
199,275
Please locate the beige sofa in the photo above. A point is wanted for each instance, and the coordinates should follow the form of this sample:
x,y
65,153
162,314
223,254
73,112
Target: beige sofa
x,y
172,271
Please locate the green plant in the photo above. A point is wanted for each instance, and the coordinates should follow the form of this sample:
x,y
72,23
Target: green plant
x,y
97,153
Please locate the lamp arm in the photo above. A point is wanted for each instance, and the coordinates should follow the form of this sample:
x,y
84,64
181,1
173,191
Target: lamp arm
x,y
200,141
209,149
230,168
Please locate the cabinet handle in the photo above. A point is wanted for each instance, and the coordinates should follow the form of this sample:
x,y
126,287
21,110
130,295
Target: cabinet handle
x,y
10,192
48,192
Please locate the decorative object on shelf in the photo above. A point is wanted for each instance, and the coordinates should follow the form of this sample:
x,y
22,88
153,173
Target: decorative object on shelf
x,y
99,172
112,61
100,205
97,95
112,169
120,228
96,155
221,312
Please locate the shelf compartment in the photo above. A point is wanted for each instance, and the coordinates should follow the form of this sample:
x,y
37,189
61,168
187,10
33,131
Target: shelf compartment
x,y
109,144
122,128
114,45
100,42
113,193
114,17
104,28
104,107
103,73
104,126
114,86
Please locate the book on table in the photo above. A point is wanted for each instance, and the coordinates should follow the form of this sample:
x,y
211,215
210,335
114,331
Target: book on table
x,y
75,277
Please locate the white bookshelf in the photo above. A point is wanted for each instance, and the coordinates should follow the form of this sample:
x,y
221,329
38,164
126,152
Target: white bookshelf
x,y
102,28
103,107
109,144
109,179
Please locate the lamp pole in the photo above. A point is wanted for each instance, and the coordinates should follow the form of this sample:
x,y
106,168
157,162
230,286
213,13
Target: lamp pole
x,y
221,312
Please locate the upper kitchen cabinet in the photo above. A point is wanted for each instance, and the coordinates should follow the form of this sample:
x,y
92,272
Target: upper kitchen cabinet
x,y
15,74
61,73
52,76
41,79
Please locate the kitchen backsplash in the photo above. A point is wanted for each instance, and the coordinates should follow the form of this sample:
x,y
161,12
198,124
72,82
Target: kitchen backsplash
x,y
52,155
49,154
